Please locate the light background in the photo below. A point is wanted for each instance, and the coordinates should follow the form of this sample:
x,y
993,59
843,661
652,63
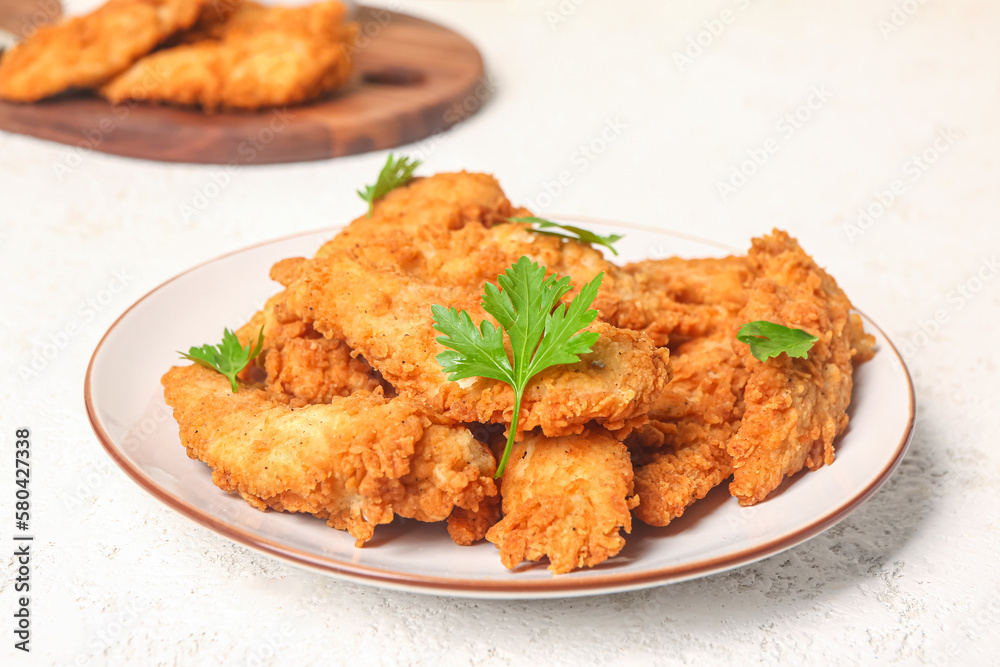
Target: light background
x,y
908,579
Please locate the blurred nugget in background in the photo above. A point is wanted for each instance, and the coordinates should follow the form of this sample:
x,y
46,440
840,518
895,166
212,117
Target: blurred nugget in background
x,y
222,54
87,51
258,57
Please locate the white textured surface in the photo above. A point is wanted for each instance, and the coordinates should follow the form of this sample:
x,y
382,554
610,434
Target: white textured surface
x,y
908,579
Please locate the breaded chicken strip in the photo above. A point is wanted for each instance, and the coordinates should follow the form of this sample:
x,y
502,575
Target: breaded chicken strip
x,y
356,462
213,21
239,18
263,57
410,224
453,229
386,317
795,408
566,498
682,452
298,365
301,367
681,455
87,51
676,299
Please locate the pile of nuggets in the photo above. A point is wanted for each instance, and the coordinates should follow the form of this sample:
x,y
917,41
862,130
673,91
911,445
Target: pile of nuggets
x,y
347,415
209,53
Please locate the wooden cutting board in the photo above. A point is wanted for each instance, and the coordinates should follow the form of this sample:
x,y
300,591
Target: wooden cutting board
x,y
413,78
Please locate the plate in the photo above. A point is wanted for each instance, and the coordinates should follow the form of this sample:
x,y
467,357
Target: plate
x,y
126,409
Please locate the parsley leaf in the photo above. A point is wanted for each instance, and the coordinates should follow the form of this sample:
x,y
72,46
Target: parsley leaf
x,y
541,333
229,358
767,339
575,233
394,174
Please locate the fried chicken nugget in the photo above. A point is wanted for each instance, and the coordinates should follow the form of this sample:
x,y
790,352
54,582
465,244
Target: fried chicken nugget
x,y
298,365
410,224
566,498
356,462
301,367
454,229
693,421
264,57
87,51
676,299
212,21
795,408
466,527
386,317
692,304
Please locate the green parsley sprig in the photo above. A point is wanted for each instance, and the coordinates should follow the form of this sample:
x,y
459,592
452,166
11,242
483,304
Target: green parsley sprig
x,y
575,233
767,339
394,174
541,333
229,358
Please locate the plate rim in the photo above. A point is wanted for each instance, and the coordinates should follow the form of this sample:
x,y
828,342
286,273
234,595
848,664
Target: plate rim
x,y
557,586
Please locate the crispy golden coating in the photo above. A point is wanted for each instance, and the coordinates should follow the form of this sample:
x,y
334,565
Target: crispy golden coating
x,y
452,229
795,408
698,425
299,365
323,19
690,304
676,299
566,498
272,56
386,317
312,369
87,51
411,225
683,451
212,21
675,478
437,241
466,527
355,462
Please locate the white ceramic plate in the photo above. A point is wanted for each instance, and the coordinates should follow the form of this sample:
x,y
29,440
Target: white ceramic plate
x,y
126,408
